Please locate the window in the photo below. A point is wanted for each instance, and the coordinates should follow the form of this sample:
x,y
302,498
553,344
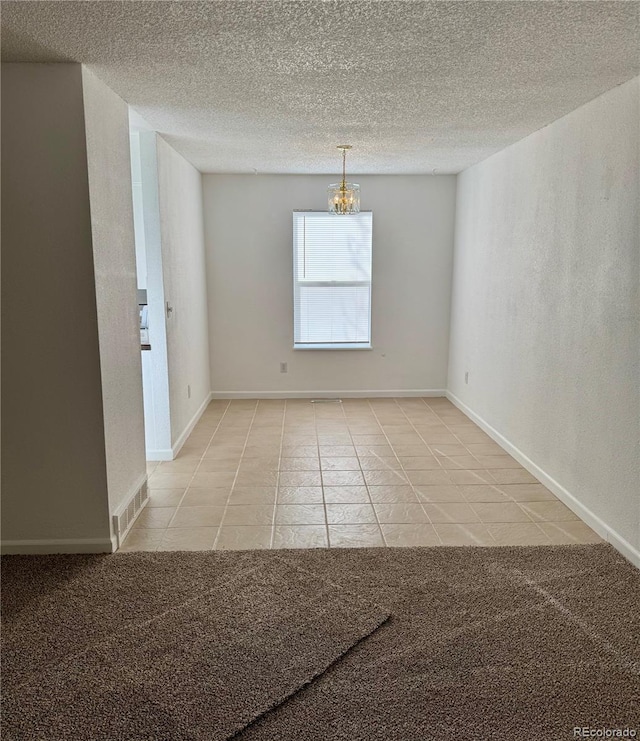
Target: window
x,y
332,280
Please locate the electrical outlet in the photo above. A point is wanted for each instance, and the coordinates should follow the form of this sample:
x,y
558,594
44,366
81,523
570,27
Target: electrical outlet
x,y
188,392
283,367
466,377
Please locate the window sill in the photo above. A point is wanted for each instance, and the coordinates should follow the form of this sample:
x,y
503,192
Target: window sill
x,y
332,346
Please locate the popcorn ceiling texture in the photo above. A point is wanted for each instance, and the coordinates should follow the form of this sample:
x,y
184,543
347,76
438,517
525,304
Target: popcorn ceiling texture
x,y
274,86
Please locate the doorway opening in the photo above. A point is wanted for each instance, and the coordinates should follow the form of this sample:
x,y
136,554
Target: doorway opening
x,y
152,306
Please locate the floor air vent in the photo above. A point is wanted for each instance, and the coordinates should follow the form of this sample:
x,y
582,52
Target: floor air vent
x,y
126,514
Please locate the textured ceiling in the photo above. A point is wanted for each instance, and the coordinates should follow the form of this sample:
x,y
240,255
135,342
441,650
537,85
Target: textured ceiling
x,y
275,86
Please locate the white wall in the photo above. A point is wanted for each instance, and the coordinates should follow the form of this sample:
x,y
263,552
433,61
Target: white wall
x,y
545,314
248,230
185,288
54,477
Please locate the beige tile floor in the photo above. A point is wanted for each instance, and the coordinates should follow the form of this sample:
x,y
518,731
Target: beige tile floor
x,y
297,474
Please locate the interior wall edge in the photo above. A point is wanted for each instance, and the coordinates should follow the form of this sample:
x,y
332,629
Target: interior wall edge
x,y
604,530
182,243
106,138
54,473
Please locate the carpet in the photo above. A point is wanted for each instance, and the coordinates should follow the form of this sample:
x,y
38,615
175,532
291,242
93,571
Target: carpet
x,y
200,670
482,643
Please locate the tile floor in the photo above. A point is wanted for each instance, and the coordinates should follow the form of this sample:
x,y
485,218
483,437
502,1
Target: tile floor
x,y
297,474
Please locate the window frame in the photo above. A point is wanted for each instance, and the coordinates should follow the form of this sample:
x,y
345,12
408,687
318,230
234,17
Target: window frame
x,y
305,346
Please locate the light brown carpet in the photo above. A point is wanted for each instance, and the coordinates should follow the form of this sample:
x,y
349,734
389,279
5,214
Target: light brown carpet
x,y
483,643
201,669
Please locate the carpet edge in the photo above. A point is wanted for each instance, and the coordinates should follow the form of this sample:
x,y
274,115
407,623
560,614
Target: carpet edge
x,y
378,623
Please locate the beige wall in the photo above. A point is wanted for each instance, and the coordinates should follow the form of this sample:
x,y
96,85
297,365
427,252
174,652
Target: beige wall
x,y
73,436
108,153
248,231
545,310
54,479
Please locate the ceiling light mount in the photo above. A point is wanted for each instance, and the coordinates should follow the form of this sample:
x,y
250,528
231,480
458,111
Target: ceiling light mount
x,y
344,197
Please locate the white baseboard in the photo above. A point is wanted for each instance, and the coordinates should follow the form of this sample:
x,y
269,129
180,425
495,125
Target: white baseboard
x,y
71,545
128,510
366,394
160,455
189,428
605,531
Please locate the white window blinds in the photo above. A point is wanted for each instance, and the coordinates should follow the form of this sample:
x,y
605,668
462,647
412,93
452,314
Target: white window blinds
x,y
332,279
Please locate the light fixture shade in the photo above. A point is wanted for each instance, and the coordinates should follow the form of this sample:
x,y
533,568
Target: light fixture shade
x,y
344,198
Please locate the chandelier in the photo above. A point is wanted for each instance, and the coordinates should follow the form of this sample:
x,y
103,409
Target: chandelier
x,y
344,197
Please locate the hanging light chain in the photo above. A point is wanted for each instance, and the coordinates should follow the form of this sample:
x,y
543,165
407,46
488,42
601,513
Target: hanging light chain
x,y
344,168
344,148
344,198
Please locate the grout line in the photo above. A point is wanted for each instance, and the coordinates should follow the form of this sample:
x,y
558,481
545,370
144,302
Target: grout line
x,y
403,468
306,433
204,452
461,442
357,457
164,530
364,416
324,501
275,507
451,432
244,447
322,470
394,454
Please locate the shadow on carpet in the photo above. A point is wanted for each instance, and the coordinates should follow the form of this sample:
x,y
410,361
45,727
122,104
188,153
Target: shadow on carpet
x,y
483,643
